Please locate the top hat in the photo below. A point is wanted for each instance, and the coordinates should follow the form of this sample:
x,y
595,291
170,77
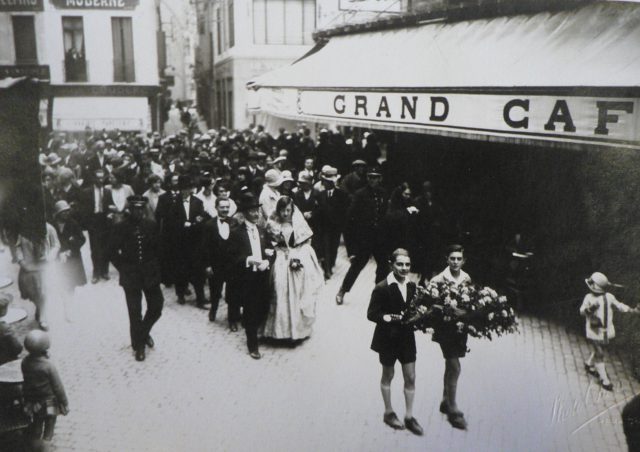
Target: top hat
x,y
137,201
184,182
598,282
247,201
60,206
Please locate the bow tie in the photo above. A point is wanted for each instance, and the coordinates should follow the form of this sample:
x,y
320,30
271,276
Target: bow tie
x,y
223,220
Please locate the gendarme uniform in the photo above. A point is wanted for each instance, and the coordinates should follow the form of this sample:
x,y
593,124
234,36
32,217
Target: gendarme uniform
x,y
134,251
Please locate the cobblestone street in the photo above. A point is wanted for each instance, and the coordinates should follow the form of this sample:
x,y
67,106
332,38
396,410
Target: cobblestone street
x,y
199,390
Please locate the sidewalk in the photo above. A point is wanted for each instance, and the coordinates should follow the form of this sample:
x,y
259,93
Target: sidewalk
x,y
198,390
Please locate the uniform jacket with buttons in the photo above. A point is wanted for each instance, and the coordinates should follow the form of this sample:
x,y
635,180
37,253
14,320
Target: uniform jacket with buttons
x,y
134,251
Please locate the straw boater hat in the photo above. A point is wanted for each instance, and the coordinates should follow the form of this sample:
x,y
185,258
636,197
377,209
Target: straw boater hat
x,y
330,173
358,163
53,159
273,178
280,159
305,179
60,206
598,282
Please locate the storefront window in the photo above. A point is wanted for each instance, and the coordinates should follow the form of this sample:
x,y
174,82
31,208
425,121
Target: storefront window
x,y
75,64
123,63
283,21
24,37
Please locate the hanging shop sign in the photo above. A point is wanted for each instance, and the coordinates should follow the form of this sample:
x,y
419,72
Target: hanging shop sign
x,y
95,4
28,70
572,118
21,5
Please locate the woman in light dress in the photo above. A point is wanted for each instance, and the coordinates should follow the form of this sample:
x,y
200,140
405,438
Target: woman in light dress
x,y
296,275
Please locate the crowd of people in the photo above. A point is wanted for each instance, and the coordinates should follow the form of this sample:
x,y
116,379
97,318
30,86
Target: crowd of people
x,y
197,190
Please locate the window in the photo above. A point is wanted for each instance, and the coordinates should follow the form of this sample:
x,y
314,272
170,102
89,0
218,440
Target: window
x,y
75,64
230,24
229,112
24,38
219,30
123,63
283,21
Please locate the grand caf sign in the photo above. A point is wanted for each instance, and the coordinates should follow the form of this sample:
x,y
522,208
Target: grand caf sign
x,y
581,118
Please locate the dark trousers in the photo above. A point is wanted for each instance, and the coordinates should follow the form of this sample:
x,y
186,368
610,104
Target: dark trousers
x,y
254,299
215,293
186,272
42,427
99,242
140,327
330,241
359,262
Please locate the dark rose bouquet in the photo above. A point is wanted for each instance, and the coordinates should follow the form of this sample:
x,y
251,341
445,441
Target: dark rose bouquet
x,y
295,264
480,312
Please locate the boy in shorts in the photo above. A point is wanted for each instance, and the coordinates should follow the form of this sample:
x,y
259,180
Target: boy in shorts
x,y
394,340
452,342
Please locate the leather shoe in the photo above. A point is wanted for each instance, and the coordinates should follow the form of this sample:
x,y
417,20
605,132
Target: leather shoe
x,y
444,408
181,300
106,277
255,354
413,426
201,305
149,342
233,327
140,355
44,326
457,420
212,316
340,300
392,421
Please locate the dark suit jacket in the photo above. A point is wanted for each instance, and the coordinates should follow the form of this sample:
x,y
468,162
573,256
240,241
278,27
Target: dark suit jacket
x,y
89,219
365,219
216,247
307,205
389,337
134,251
332,211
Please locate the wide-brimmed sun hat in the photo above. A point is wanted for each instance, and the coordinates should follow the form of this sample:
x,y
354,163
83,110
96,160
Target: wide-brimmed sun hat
x,y
598,282
60,206
273,178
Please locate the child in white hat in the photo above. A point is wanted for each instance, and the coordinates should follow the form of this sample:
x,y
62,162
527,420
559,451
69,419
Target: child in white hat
x,y
597,310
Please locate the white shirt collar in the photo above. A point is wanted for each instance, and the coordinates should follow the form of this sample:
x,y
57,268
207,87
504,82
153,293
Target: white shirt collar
x,y
391,279
446,274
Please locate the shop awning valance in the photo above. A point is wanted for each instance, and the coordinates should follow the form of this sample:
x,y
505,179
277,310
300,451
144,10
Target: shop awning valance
x,y
566,77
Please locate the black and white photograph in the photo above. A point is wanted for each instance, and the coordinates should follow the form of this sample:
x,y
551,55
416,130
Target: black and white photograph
x,y
319,225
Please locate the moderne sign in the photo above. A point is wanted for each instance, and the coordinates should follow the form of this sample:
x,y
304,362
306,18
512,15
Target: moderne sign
x,y
95,4
599,119
21,5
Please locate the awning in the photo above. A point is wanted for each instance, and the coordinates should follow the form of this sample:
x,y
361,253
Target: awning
x,y
567,77
123,113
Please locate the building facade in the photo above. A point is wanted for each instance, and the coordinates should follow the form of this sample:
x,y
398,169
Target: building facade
x,y
242,39
100,58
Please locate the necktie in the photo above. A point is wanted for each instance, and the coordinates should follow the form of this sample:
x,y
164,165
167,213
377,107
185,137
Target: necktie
x,y
100,200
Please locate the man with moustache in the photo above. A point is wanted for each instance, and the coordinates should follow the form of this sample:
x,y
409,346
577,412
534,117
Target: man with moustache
x,y
216,237
251,256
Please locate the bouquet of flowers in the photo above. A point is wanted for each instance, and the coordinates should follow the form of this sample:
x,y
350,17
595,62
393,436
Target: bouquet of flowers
x,y
478,311
295,264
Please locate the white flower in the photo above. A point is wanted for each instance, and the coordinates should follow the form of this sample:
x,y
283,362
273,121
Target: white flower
x,y
504,313
492,292
435,293
502,299
481,301
490,316
460,326
465,298
453,303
